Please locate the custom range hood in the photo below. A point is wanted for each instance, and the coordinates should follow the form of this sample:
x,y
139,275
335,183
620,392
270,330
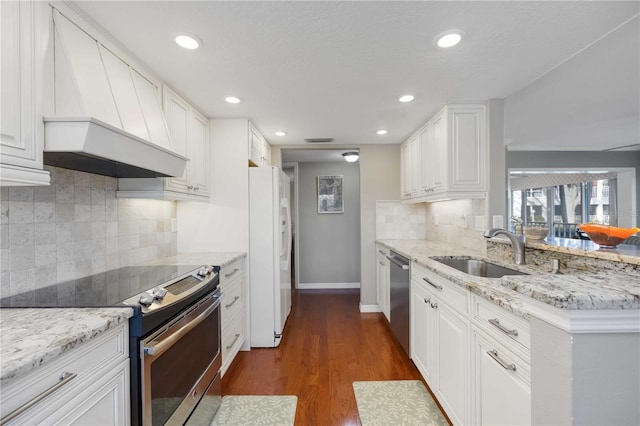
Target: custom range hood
x,y
108,118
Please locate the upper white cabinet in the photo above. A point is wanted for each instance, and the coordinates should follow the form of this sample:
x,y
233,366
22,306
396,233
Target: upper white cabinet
x,y
446,158
259,148
189,131
24,37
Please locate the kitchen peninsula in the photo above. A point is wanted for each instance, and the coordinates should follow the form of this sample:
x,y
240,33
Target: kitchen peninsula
x,y
566,345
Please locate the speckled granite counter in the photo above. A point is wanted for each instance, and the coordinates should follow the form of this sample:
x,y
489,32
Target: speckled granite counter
x,y
575,292
213,258
32,337
623,253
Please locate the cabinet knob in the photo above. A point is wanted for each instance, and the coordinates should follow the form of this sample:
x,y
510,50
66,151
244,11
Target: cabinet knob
x,y
427,301
434,305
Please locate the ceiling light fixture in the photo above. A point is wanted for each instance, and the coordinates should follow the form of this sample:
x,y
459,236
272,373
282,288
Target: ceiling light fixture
x,y
232,100
406,98
448,38
351,156
381,132
187,41
281,133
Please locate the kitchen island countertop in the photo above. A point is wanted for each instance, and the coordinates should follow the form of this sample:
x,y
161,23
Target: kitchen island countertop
x,y
604,291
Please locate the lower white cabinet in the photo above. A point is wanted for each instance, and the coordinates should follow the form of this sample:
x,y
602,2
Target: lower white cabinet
x,y
95,391
383,281
502,388
440,350
233,302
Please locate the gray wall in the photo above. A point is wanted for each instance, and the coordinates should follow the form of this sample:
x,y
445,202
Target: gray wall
x,y
380,180
329,243
588,102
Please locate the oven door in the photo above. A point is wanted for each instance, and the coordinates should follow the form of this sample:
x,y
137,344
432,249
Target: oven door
x,y
180,362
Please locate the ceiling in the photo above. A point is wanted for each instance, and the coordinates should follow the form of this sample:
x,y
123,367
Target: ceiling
x,y
335,69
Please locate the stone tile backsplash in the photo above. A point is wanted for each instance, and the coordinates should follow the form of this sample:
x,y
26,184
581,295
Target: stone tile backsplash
x,y
397,221
77,227
453,223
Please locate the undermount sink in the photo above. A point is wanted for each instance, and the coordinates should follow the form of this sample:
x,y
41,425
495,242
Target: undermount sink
x,y
479,268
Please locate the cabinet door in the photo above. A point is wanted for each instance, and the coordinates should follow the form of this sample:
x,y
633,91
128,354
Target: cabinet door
x,y
20,134
467,145
426,143
503,391
106,405
266,153
255,146
386,292
177,113
422,333
199,154
415,168
438,148
452,346
405,190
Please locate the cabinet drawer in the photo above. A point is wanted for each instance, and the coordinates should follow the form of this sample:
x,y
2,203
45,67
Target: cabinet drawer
x,y
88,361
450,293
381,250
500,323
232,300
232,338
230,272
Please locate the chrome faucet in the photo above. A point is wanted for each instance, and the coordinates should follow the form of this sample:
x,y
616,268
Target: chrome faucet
x,y
516,241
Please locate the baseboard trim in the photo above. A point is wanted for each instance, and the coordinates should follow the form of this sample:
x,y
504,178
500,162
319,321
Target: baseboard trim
x,y
369,308
323,286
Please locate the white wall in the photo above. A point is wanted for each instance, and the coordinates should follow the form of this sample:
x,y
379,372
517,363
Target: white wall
x,y
222,224
589,102
379,180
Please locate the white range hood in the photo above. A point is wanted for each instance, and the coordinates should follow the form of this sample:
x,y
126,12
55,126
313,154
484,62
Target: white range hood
x,y
108,118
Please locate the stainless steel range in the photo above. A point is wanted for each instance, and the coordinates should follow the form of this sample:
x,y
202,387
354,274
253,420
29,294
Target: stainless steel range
x,y
174,335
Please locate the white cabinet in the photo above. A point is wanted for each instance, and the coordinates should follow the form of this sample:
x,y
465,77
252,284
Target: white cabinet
x,y
445,158
189,131
96,390
501,365
440,340
383,280
502,383
233,303
23,43
259,148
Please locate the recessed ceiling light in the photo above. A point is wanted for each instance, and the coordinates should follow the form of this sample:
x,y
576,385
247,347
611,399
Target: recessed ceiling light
x,y
187,41
281,133
381,132
406,98
448,38
232,100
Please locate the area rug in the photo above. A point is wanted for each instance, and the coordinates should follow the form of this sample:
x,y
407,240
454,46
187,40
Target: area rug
x,y
243,410
396,402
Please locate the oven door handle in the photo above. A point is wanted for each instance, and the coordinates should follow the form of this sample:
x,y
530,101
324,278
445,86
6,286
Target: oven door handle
x,y
160,347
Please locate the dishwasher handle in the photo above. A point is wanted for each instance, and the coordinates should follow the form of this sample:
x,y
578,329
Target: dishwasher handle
x,y
404,266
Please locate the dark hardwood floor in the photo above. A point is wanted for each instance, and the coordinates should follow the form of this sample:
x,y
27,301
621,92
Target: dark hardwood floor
x,y
327,345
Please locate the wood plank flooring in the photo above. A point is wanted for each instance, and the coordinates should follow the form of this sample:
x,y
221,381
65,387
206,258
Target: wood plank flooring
x,y
327,345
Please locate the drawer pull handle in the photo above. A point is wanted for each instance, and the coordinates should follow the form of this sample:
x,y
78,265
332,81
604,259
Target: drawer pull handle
x,y
231,273
439,287
382,253
235,339
495,322
65,378
494,354
235,299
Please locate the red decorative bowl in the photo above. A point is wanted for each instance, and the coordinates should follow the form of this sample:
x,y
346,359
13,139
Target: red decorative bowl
x,y
607,236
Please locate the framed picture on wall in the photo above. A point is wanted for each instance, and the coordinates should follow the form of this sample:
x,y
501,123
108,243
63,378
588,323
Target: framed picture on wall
x,y
330,198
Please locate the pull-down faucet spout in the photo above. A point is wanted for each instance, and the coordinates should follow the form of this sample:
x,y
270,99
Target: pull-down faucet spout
x,y
516,241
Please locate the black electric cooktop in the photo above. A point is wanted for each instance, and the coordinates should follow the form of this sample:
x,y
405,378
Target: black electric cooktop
x,y
106,289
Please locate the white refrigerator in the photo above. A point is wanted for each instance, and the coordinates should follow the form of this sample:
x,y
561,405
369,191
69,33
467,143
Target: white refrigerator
x,y
269,254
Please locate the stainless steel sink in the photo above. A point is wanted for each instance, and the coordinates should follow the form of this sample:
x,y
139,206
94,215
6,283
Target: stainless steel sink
x,y
479,268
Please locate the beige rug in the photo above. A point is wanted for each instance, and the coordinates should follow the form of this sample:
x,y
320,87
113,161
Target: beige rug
x,y
395,403
254,410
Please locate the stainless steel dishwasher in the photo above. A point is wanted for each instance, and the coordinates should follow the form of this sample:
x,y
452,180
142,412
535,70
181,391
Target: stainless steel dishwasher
x,y
400,298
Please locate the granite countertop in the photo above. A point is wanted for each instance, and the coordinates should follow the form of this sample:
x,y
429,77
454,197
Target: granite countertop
x,y
571,292
51,332
623,253
212,258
